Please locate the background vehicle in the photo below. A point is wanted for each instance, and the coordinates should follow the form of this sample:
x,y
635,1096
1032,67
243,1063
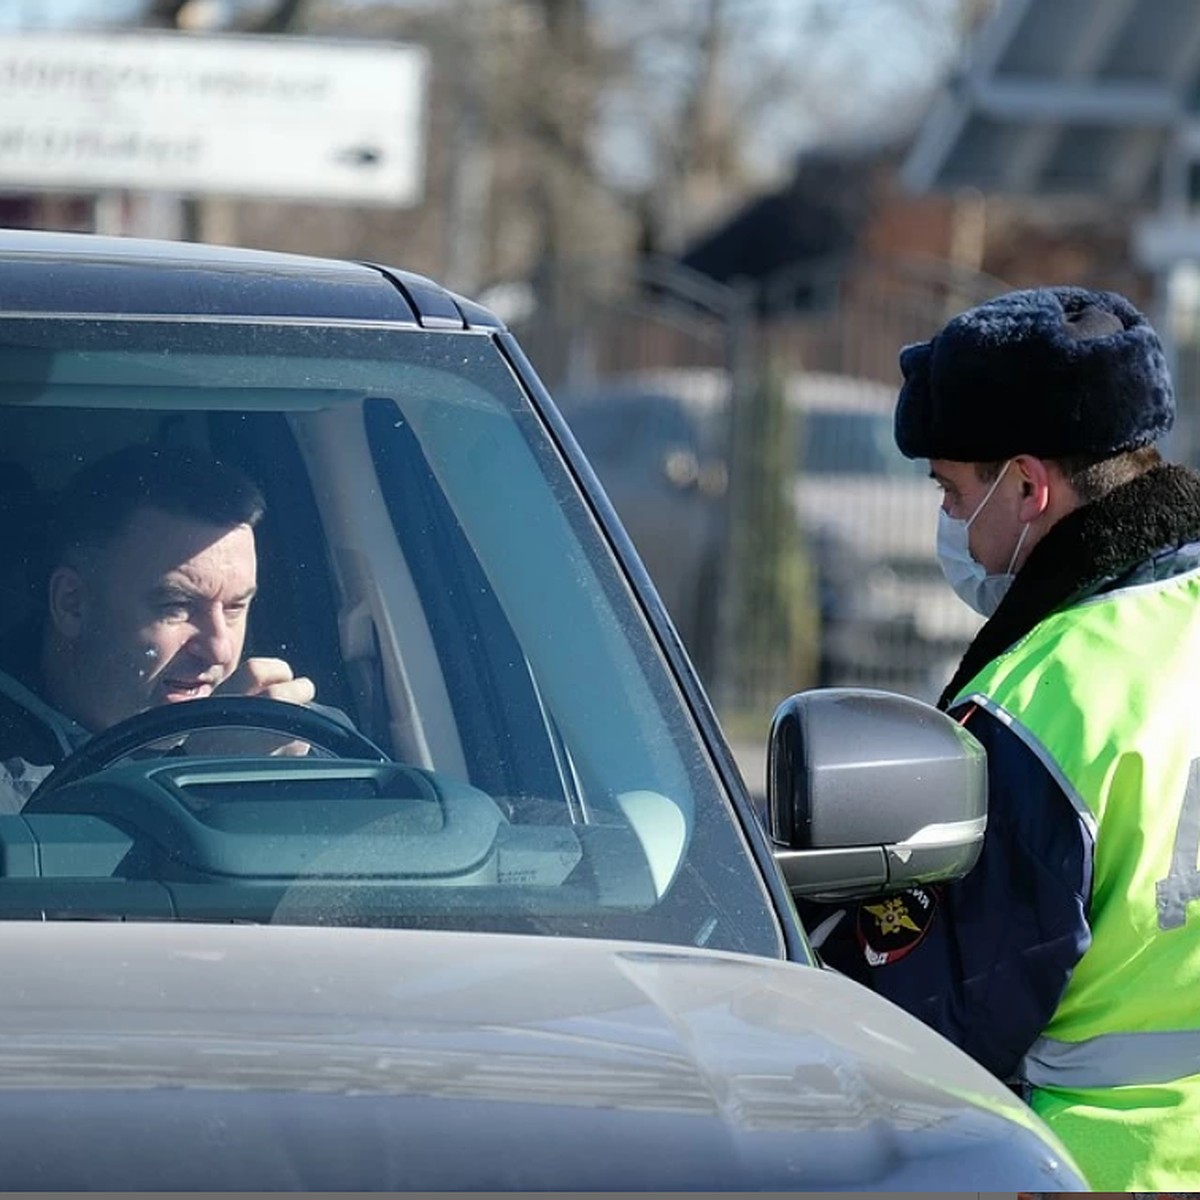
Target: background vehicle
x,y
866,515
518,927
897,624
662,461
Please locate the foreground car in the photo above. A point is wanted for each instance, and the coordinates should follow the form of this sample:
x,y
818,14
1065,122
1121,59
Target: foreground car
x,y
511,922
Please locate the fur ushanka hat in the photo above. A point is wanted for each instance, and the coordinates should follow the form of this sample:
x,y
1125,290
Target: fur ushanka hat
x,y
1054,372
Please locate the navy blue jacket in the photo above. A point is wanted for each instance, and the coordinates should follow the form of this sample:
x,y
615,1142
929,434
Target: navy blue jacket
x,y
985,960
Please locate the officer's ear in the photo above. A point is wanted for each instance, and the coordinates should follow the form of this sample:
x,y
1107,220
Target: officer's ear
x,y
1035,485
67,601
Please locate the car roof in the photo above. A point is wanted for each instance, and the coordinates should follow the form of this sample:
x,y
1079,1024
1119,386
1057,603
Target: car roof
x,y
44,272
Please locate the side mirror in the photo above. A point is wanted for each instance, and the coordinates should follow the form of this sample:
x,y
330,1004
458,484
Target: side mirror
x,y
870,792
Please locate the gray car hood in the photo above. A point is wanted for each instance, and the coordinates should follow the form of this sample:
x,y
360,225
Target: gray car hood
x,y
182,1057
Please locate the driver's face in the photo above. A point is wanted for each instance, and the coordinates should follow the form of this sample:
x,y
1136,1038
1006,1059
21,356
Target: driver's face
x,y
159,615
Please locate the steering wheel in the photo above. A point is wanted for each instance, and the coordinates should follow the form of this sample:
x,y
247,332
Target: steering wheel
x,y
296,721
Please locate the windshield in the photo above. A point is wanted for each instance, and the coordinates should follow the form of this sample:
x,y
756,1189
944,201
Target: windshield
x,y
515,754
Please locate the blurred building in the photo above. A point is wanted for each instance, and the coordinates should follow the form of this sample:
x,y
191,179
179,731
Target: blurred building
x,y
1066,108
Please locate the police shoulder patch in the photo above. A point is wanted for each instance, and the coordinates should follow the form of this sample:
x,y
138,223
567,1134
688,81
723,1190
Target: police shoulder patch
x,y
893,926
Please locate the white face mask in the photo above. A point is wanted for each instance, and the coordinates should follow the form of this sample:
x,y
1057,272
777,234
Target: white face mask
x,y
969,579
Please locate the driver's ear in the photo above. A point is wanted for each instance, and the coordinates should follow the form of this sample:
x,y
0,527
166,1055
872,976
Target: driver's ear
x,y
67,599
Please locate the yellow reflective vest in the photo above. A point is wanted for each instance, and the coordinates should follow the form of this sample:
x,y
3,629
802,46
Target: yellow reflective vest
x,y
1107,695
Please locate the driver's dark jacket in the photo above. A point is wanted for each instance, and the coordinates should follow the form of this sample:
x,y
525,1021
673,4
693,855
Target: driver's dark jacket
x,y
985,960
19,776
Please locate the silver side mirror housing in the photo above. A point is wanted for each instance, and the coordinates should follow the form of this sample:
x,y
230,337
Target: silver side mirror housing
x,y
870,792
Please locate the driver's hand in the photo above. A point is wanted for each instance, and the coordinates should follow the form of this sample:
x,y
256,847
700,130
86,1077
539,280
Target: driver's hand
x,y
269,677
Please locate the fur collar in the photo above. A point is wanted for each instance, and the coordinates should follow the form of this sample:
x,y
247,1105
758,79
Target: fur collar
x,y
1157,511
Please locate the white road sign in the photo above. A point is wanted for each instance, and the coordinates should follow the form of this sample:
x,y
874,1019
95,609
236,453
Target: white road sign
x,y
236,116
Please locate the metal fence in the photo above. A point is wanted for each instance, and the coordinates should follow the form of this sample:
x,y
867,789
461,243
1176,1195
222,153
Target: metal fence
x,y
744,435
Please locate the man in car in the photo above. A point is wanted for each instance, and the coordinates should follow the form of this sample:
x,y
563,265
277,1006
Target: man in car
x,y
1068,960
150,576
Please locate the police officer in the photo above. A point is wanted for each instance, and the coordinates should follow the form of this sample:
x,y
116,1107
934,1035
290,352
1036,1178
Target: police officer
x,y
1068,960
